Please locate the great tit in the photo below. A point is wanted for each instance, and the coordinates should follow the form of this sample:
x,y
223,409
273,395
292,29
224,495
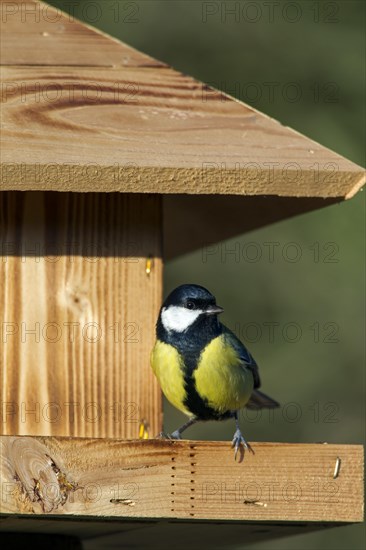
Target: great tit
x,y
204,370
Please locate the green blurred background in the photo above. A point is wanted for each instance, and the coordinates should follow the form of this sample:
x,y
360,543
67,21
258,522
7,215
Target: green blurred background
x,y
319,46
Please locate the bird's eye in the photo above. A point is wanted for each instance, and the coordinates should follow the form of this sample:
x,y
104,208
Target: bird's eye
x,y
190,305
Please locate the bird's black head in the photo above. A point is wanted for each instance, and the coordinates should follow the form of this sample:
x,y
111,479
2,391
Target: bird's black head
x,y
189,306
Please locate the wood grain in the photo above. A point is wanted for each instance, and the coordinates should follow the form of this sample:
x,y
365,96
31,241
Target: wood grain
x,y
148,130
78,312
186,479
75,98
34,33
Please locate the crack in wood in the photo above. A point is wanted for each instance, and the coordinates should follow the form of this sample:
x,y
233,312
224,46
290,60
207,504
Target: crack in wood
x,y
39,480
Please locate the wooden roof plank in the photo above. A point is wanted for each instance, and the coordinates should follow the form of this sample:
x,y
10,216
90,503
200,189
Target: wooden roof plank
x,y
150,131
120,121
36,34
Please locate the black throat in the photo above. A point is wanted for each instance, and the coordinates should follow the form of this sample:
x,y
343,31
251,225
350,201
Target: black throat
x,y
190,344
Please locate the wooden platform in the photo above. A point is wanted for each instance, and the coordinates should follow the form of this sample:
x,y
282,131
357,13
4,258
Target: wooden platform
x,y
135,491
180,480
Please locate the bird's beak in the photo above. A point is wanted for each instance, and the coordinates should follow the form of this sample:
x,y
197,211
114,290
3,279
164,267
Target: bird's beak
x,y
214,310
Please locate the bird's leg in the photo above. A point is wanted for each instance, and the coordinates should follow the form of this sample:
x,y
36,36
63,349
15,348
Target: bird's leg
x,y
177,433
239,439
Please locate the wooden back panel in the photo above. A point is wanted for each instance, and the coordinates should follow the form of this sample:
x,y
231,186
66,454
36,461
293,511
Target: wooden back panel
x,y
77,313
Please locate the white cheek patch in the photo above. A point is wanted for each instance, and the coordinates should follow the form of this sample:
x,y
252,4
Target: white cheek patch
x,y
179,318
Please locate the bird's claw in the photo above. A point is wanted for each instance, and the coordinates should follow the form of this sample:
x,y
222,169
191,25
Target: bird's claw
x,y
164,435
238,441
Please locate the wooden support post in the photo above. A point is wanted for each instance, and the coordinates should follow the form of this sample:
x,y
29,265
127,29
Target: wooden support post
x,y
81,280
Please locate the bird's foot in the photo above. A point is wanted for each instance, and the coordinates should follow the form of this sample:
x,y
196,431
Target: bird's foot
x,y
239,442
164,435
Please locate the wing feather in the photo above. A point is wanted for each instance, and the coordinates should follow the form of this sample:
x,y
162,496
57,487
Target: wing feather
x,y
244,354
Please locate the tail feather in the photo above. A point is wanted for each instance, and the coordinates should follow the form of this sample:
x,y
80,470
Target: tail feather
x,y
259,400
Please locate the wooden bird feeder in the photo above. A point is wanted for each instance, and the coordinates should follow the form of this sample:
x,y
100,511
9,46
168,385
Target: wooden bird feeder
x,y
111,162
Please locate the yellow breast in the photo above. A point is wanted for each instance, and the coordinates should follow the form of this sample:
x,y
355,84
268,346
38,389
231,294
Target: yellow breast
x,y
221,377
168,368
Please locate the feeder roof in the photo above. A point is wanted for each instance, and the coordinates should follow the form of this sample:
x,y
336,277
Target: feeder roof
x,y
83,112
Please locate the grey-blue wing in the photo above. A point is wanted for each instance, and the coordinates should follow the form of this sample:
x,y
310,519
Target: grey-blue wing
x,y
258,399
243,353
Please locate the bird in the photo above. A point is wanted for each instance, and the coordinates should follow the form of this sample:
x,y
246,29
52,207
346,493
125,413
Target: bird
x,y
203,369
